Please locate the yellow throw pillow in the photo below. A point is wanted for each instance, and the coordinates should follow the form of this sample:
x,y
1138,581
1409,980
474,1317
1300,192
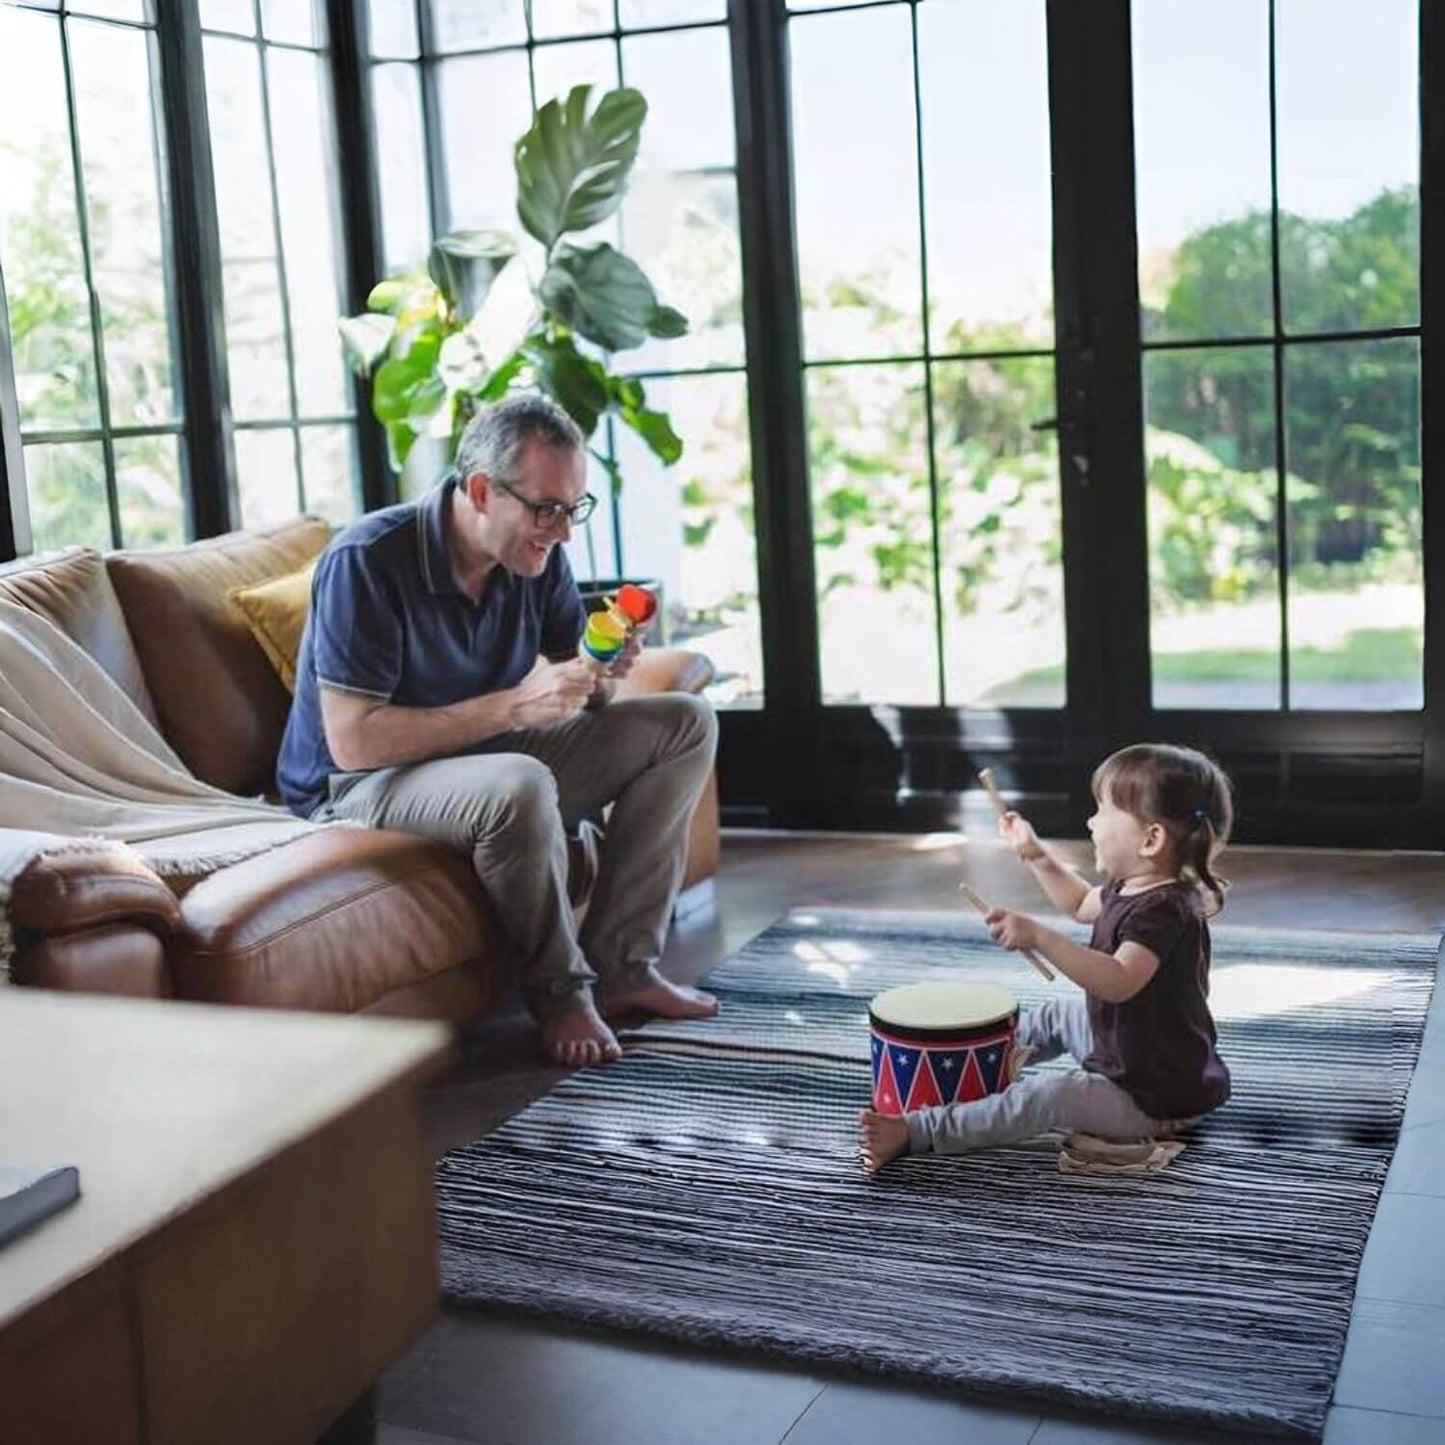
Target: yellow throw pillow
x,y
275,611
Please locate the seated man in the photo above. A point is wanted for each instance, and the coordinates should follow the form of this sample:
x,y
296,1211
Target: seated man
x,y
439,691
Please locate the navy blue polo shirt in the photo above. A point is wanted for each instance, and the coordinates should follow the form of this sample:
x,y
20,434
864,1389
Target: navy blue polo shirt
x,y
388,621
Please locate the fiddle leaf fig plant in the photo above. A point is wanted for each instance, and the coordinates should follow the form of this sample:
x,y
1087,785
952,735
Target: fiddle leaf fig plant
x,y
485,315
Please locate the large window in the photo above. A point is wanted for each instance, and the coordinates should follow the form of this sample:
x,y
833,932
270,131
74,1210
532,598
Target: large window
x,y
85,256
465,78
1085,360
925,256
268,96
1279,239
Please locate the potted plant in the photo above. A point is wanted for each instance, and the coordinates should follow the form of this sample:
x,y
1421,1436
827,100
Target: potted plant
x,y
480,319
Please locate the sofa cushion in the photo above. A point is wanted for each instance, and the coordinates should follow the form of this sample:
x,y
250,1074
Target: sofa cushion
x,y
342,919
218,699
335,920
275,612
72,590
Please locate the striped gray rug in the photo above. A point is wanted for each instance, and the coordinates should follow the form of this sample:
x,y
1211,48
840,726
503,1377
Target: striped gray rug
x,y
707,1188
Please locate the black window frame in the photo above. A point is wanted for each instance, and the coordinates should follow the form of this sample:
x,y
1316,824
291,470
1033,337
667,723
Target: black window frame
x,y
15,525
201,374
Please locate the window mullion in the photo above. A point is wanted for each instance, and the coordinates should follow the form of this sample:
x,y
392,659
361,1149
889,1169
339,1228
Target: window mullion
x,y
287,335
1281,502
348,32
431,128
935,532
15,536
777,411
209,463
97,336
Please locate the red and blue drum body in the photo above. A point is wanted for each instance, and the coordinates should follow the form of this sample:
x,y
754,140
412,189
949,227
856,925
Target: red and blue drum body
x,y
940,1043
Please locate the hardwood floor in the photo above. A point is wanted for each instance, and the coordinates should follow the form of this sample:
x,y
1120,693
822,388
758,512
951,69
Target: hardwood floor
x,y
493,1381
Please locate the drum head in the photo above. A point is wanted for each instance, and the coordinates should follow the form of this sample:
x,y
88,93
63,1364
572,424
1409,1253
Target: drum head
x,y
943,1007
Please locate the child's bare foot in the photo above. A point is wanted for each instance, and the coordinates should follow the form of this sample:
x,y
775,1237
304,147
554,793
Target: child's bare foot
x,y
881,1137
657,995
579,1038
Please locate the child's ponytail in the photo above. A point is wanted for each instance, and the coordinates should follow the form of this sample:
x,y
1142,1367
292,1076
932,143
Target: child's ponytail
x,y
1197,846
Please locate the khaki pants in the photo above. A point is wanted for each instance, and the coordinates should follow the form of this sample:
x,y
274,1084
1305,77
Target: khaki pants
x,y
510,804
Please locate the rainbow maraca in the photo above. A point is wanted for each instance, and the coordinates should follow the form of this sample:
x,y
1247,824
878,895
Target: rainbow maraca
x,y
607,631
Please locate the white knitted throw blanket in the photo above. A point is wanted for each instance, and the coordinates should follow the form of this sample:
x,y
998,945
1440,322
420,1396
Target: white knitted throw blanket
x,y
80,763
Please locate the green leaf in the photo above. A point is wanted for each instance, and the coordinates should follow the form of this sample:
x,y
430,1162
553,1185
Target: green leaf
x,y
391,295
465,263
666,322
423,348
391,390
572,167
503,377
364,339
426,399
577,384
599,292
627,391
407,383
400,439
655,428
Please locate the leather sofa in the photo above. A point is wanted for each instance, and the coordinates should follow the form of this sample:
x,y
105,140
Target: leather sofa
x,y
341,920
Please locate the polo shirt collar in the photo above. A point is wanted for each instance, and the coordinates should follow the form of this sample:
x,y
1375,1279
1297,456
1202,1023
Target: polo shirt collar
x,y
431,539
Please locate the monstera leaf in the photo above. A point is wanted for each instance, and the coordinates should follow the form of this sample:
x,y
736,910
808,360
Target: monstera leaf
x,y
465,263
572,167
444,341
575,382
599,292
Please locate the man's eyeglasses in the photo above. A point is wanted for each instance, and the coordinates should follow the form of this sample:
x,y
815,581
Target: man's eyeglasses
x,y
550,514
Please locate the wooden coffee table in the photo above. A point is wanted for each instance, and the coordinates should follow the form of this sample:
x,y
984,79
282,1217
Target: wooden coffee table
x,y
255,1239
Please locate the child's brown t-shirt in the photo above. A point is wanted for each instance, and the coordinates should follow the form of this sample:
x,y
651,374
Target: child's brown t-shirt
x,y
1160,1045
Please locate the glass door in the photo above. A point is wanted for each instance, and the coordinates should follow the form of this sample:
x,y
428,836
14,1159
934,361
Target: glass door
x,y
1277,164
924,234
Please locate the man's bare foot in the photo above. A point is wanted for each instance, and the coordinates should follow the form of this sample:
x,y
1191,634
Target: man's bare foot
x,y
657,995
579,1038
881,1137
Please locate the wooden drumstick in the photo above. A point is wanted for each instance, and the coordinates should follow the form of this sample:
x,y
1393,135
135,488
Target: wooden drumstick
x,y
990,783
1038,965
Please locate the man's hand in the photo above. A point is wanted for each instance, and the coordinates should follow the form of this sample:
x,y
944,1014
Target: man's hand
x,y
1012,930
551,693
622,663
1018,833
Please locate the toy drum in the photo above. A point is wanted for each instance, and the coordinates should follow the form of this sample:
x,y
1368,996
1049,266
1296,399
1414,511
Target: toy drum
x,y
940,1043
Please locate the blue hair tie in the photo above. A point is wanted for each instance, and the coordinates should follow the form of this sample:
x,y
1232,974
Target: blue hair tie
x,y
1200,815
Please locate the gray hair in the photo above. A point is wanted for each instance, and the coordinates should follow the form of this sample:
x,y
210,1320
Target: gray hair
x,y
494,438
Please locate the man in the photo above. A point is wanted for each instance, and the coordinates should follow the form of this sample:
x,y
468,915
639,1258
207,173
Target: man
x,y
439,691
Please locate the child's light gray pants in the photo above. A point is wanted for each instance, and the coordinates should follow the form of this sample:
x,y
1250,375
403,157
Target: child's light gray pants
x,y
1075,1102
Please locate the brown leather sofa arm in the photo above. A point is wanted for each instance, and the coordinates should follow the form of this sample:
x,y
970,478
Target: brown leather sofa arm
x,y
666,669
84,888
118,958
